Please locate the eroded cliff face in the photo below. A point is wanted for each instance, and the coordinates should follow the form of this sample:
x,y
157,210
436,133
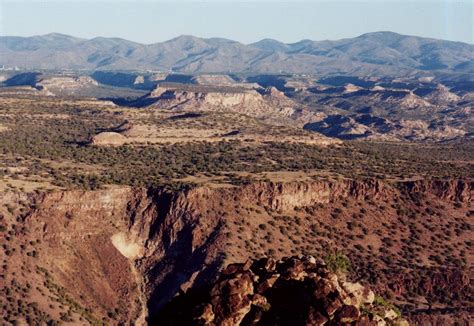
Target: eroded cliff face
x,y
459,190
288,196
65,84
270,105
225,99
132,250
76,230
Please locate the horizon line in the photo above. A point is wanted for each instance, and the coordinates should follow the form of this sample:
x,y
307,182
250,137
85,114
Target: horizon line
x,y
229,39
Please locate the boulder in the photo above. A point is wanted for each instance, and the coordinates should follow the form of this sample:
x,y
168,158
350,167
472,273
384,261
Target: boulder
x,y
348,314
357,294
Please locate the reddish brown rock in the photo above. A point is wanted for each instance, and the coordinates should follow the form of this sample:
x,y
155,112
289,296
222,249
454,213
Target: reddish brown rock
x,y
308,294
348,314
315,318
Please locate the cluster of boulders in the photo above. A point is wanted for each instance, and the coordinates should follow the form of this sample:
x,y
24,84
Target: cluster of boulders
x,y
290,291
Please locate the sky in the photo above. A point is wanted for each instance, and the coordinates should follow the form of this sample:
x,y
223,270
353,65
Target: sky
x,y
245,21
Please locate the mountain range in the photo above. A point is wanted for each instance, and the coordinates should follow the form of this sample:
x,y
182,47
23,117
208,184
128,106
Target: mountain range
x,y
378,53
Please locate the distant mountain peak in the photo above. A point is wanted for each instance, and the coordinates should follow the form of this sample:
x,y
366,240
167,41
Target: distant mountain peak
x,y
183,37
57,36
381,33
112,41
221,40
268,41
270,45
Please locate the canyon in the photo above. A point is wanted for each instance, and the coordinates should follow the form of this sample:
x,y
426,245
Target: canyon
x,y
121,254
313,183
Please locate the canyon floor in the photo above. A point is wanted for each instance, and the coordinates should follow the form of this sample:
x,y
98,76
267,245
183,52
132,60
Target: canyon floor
x,y
118,213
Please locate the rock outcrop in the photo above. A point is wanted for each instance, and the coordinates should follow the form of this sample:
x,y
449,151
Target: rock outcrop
x,y
294,290
397,109
460,190
271,105
291,195
442,95
372,127
65,84
211,98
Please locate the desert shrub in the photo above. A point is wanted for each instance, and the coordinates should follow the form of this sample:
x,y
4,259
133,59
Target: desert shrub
x,y
381,302
36,140
337,262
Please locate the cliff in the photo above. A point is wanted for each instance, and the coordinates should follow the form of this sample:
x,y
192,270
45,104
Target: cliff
x,y
269,105
65,84
134,249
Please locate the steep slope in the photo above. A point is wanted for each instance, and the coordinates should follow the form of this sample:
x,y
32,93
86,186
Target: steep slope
x,y
121,254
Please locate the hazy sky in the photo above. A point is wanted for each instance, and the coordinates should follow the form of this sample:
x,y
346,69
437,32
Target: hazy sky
x,y
245,21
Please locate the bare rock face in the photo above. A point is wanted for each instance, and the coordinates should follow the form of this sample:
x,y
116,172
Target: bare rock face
x,y
139,80
273,92
271,106
65,85
278,99
81,249
351,88
457,190
297,291
158,91
209,99
412,101
300,194
67,82
442,95
213,80
368,126
393,111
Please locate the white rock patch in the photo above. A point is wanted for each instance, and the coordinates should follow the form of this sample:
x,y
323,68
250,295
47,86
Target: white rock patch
x,y
127,247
